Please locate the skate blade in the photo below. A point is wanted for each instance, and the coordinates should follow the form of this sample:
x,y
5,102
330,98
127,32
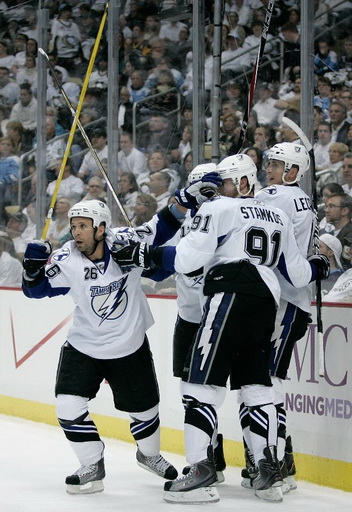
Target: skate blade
x,y
273,494
285,486
194,497
89,488
291,482
247,483
220,477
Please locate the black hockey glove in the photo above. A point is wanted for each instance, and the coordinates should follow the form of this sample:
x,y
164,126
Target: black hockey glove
x,y
135,254
200,191
36,256
321,264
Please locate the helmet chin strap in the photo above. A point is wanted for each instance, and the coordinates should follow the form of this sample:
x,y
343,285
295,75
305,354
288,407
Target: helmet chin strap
x,y
97,242
288,182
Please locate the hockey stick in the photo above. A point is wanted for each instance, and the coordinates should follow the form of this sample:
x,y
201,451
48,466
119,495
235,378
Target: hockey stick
x,y
86,138
253,83
74,124
307,144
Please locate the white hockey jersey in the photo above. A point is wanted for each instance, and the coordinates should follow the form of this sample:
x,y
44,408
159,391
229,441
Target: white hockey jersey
x,y
189,289
227,230
298,207
112,314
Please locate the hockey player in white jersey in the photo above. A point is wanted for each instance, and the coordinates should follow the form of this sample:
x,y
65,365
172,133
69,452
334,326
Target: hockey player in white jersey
x,y
286,164
238,242
189,314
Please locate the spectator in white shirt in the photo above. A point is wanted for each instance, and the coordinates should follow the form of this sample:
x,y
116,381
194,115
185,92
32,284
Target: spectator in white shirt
x,y
16,224
70,186
159,188
235,59
265,106
129,158
25,110
10,267
322,146
89,166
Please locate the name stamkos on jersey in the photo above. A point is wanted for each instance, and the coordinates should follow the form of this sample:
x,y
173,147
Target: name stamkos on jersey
x,y
109,302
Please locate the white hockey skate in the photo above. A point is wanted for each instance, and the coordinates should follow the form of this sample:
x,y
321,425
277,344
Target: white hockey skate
x,y
87,479
156,464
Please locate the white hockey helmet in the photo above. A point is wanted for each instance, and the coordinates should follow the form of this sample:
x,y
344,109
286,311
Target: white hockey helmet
x,y
291,154
199,171
237,167
93,209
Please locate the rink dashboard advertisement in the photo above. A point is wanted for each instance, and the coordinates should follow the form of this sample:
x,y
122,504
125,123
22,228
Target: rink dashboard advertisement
x,y
319,409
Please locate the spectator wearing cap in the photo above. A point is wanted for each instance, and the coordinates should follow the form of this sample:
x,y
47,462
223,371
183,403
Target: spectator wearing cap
x,y
265,106
231,19
66,40
347,173
244,13
342,289
331,247
89,166
25,110
129,158
10,267
15,226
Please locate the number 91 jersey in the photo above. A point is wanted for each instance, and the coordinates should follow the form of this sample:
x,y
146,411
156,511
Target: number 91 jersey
x,y
226,230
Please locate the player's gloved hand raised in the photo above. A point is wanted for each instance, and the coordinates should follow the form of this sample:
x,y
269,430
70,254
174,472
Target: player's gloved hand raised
x,y
135,254
199,191
321,264
36,256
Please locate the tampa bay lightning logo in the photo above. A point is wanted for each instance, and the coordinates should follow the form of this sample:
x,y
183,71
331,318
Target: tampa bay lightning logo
x,y
109,302
272,190
61,255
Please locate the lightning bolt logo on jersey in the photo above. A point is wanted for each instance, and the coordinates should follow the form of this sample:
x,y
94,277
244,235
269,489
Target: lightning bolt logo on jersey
x,y
109,302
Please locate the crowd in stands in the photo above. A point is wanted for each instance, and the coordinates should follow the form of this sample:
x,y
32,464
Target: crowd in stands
x,y
155,76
